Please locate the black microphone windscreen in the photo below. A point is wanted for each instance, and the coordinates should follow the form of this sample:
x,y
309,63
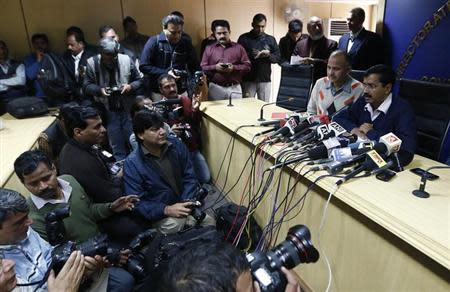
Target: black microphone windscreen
x,y
318,152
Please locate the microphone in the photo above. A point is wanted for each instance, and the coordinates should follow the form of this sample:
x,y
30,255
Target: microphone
x,y
261,111
421,193
289,127
267,131
392,142
373,161
171,101
313,153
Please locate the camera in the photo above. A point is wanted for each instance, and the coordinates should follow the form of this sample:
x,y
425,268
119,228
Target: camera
x,y
296,249
198,78
115,102
54,225
198,200
186,134
180,73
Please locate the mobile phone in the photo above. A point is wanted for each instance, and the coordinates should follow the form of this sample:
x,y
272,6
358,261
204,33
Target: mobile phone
x,y
225,65
420,172
385,175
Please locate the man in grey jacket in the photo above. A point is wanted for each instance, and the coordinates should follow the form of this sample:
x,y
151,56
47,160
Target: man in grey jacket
x,y
112,79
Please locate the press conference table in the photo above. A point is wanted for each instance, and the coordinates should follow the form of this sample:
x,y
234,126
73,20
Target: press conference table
x,y
377,235
16,137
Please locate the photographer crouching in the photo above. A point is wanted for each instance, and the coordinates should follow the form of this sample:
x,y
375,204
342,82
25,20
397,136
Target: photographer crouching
x,y
185,123
112,78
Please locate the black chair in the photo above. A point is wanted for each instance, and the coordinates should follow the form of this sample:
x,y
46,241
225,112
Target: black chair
x,y
431,103
357,74
296,82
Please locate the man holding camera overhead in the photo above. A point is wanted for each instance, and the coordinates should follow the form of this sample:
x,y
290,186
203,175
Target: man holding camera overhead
x,y
168,53
112,79
224,62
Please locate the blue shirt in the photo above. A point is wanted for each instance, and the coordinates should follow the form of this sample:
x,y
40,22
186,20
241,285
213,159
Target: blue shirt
x,y
399,119
33,257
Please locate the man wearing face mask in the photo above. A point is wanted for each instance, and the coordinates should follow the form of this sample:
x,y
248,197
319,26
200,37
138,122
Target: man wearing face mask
x,y
112,79
315,49
168,53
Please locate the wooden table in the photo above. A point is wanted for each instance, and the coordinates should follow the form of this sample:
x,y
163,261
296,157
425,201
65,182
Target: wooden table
x,y
16,137
377,235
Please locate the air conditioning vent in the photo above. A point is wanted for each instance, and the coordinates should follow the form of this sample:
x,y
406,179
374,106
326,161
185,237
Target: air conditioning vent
x,y
336,27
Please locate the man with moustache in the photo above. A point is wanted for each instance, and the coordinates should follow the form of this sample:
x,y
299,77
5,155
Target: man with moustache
x,y
50,192
33,62
263,51
160,172
225,63
379,113
335,91
315,49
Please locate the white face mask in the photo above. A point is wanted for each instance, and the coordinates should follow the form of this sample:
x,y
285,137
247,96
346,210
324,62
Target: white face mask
x,y
316,37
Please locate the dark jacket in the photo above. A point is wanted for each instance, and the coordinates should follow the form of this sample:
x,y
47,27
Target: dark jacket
x,y
143,178
69,65
287,46
261,67
319,49
159,56
367,49
86,165
399,119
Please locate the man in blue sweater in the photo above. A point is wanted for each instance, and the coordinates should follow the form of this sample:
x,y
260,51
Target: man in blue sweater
x,y
379,113
160,172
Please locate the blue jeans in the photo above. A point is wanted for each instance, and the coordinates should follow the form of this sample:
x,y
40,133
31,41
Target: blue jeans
x,y
119,129
201,168
120,280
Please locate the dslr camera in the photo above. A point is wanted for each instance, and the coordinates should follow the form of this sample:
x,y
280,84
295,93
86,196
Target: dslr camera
x,y
98,245
115,101
296,249
198,200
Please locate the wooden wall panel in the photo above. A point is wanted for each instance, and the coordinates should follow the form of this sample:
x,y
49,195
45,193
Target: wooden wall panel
x,y
12,28
148,15
55,16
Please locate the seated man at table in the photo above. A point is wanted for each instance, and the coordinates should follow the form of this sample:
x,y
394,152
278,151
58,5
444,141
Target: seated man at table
x,y
160,172
377,112
225,63
48,192
336,91
12,76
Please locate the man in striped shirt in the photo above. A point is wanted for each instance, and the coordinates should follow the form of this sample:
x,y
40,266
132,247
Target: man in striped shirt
x,y
337,90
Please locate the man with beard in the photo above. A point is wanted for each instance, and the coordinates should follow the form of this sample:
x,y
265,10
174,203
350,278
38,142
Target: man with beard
x,y
315,49
379,113
225,63
335,91
263,51
49,193
112,79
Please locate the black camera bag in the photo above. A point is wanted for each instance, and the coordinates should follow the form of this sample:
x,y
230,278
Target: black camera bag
x,y
230,218
24,107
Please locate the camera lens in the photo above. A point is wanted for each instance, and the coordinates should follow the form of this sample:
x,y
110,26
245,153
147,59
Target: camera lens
x,y
296,249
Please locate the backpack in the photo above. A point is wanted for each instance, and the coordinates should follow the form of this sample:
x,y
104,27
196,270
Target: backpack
x,y
54,79
24,107
230,218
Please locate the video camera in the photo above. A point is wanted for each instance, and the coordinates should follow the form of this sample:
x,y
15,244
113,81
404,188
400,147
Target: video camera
x,y
98,245
115,101
198,200
296,249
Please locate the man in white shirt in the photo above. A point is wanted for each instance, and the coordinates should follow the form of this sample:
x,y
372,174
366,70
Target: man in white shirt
x,y
12,76
337,90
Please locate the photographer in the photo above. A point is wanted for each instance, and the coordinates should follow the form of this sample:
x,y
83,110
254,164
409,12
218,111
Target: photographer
x,y
169,53
49,193
215,267
113,79
160,172
187,125
32,255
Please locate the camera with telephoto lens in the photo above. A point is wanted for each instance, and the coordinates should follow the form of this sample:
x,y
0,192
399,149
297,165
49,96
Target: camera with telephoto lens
x,y
296,249
198,201
115,102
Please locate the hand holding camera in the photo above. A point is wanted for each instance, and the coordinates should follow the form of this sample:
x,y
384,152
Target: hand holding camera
x,y
69,278
179,210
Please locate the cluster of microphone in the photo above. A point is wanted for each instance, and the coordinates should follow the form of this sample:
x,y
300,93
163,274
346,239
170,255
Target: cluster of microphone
x,y
328,146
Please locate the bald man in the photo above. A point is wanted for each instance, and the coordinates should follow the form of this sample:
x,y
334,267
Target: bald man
x,y
337,90
316,49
